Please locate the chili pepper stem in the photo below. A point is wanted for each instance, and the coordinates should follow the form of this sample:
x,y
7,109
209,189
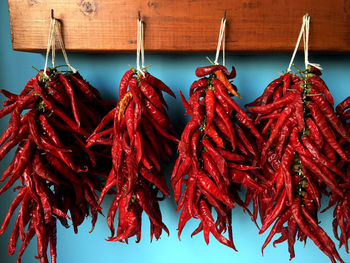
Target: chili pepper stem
x,y
211,62
35,68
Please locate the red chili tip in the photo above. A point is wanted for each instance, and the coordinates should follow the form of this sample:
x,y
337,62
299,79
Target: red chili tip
x,y
92,229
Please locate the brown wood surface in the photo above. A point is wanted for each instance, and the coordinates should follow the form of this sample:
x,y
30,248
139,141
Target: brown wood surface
x,y
182,25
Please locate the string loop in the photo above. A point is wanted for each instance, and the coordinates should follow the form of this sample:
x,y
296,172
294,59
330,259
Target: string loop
x,y
306,45
221,39
140,52
304,32
60,39
51,44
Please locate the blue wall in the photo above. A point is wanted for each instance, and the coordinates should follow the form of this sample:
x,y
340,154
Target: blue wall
x,y
104,71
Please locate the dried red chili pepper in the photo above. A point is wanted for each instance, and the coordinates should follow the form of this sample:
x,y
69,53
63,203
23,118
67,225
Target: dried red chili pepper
x,y
207,70
330,115
345,104
325,129
319,85
158,84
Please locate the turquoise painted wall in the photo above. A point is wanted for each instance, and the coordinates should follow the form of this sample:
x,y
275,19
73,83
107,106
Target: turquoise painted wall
x,y
104,71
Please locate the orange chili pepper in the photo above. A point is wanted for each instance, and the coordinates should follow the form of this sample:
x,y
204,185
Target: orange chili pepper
x,y
221,76
123,104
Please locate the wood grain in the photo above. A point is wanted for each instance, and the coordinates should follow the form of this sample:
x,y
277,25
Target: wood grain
x,y
182,25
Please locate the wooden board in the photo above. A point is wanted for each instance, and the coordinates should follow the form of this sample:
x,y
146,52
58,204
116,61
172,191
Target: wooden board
x,y
181,25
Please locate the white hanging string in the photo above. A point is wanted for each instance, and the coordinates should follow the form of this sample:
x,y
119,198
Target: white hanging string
x,y
49,43
140,48
53,45
298,42
306,45
223,45
220,40
304,32
60,39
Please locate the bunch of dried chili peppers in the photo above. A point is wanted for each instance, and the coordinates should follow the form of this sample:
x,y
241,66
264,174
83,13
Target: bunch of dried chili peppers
x,y
341,211
55,174
303,144
139,130
217,154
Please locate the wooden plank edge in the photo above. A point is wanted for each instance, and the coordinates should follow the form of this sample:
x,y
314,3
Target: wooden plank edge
x,y
195,51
